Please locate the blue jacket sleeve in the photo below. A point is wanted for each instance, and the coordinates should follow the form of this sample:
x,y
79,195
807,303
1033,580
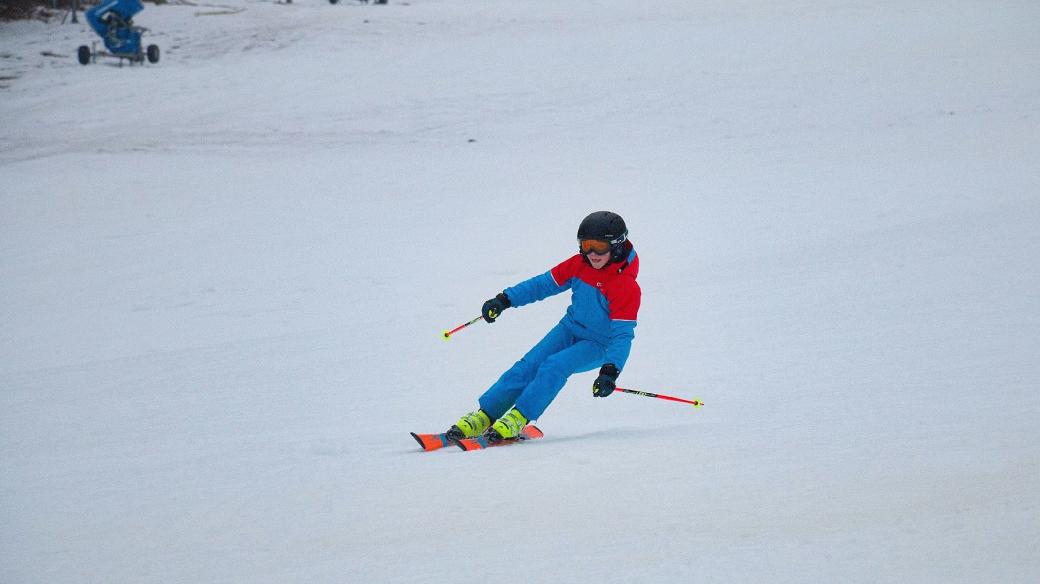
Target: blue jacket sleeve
x,y
621,334
534,289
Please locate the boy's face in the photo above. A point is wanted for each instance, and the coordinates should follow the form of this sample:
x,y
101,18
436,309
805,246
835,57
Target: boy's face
x,y
598,260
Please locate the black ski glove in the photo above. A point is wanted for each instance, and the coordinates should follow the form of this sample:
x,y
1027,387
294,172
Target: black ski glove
x,y
494,307
606,382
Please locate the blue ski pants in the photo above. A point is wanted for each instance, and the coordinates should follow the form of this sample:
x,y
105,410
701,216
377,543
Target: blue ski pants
x,y
534,381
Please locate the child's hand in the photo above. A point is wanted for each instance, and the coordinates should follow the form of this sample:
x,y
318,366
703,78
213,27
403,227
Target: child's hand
x,y
607,380
494,307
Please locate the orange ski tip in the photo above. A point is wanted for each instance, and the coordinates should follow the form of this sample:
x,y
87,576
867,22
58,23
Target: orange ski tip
x,y
428,441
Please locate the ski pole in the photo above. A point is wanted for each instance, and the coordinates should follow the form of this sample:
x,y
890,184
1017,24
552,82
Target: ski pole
x,y
447,333
695,402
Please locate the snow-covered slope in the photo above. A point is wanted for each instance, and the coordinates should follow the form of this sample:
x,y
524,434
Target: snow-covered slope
x,y
223,279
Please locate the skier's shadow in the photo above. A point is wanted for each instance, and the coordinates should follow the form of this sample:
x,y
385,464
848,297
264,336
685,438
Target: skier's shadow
x,y
606,433
616,433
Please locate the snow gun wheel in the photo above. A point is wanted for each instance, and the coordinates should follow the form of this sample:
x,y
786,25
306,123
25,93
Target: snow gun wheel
x,y
333,1
84,54
153,54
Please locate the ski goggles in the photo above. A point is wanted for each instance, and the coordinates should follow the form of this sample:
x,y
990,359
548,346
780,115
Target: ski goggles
x,y
595,246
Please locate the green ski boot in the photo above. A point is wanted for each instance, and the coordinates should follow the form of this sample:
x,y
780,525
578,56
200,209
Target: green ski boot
x,y
507,427
470,425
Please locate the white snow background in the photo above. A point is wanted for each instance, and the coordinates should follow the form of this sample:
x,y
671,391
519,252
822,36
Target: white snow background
x,y
223,279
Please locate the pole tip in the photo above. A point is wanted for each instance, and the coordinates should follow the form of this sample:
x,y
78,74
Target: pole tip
x,y
446,335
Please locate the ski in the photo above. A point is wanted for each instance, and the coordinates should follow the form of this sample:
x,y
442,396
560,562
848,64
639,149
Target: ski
x,y
432,441
481,442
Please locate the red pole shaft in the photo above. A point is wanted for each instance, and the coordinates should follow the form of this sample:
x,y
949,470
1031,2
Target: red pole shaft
x,y
460,327
659,396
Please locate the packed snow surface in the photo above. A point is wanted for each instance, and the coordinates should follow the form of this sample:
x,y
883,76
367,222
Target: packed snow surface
x,y
224,277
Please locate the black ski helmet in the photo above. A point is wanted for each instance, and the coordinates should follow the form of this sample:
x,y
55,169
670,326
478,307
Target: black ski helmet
x,y
605,226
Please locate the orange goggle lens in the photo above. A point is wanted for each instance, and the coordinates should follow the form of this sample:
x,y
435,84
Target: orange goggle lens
x,y
594,246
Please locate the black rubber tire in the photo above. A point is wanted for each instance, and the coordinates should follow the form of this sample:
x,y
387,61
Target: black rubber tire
x,y
84,54
153,54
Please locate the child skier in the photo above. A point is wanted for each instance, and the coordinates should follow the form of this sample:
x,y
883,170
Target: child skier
x,y
596,331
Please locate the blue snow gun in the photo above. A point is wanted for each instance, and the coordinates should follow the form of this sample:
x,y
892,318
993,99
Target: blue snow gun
x,y
112,20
